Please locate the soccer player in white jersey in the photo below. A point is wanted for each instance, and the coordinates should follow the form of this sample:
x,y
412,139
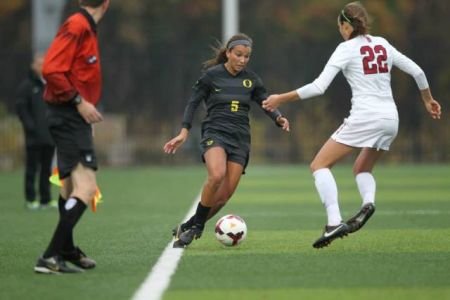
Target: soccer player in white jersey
x,y
366,62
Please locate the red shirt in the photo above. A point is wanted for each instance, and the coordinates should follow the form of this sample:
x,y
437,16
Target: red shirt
x,y
72,63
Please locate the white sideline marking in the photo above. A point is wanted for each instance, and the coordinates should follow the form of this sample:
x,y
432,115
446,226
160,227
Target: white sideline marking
x,y
158,279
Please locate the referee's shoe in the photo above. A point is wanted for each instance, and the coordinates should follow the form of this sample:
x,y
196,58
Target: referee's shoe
x,y
357,221
79,258
54,265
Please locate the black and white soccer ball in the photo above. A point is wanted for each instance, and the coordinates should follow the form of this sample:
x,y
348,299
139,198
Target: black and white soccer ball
x,y
231,230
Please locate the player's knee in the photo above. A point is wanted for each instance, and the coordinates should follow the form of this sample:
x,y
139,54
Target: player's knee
x,y
216,178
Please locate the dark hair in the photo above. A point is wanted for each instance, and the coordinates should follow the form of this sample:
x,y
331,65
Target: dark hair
x,y
220,50
91,3
356,15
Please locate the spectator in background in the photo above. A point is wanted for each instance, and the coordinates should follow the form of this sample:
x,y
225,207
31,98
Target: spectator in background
x,y
39,146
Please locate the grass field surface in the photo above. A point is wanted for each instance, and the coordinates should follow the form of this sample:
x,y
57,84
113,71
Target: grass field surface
x,y
403,252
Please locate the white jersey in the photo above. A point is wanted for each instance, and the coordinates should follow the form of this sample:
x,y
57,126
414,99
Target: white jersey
x,y
366,62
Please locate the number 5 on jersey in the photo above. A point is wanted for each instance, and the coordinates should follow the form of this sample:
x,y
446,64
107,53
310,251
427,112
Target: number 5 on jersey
x,y
234,105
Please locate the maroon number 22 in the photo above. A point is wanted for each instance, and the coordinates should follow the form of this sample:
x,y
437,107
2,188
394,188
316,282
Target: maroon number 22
x,y
374,59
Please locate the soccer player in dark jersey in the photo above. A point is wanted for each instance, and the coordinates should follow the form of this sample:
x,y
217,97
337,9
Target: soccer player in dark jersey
x,y
73,75
227,88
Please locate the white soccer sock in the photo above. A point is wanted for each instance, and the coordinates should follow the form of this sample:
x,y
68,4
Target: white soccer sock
x,y
366,186
327,189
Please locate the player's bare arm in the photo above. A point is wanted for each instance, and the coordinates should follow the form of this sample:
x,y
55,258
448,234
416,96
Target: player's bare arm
x,y
171,146
273,101
433,107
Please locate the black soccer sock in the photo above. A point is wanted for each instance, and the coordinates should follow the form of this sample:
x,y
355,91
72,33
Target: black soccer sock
x,y
68,244
200,215
71,214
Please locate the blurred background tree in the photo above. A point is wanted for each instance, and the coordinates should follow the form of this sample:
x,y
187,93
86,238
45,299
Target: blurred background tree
x,y
152,53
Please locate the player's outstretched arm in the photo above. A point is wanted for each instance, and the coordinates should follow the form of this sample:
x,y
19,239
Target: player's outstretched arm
x,y
273,101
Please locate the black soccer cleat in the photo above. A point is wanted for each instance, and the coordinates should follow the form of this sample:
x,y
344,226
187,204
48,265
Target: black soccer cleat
x,y
331,233
179,229
186,237
54,265
357,221
79,258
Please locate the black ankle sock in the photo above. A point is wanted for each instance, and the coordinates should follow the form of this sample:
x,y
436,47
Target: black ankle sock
x,y
200,215
71,214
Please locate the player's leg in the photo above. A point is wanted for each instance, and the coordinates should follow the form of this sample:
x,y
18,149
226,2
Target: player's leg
x,y
216,164
362,169
330,153
221,197
227,188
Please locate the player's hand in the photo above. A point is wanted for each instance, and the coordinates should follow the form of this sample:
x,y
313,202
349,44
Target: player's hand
x,y
284,123
434,108
88,112
171,146
271,103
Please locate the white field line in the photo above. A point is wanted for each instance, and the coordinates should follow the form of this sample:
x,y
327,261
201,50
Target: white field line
x,y
158,279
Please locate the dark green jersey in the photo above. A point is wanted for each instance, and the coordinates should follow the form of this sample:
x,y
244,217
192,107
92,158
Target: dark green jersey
x,y
227,99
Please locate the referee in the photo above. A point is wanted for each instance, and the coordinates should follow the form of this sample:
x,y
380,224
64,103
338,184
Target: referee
x,y
73,75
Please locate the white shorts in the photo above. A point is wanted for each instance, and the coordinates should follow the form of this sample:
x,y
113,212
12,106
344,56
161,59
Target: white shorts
x,y
367,133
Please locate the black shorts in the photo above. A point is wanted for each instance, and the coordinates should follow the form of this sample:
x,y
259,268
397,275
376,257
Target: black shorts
x,y
238,154
73,139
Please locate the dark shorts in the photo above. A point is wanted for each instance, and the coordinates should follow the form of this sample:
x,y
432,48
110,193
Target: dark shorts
x,y
73,139
238,154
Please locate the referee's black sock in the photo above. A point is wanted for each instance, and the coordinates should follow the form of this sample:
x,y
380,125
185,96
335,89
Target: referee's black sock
x,y
68,244
201,215
70,215
61,202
